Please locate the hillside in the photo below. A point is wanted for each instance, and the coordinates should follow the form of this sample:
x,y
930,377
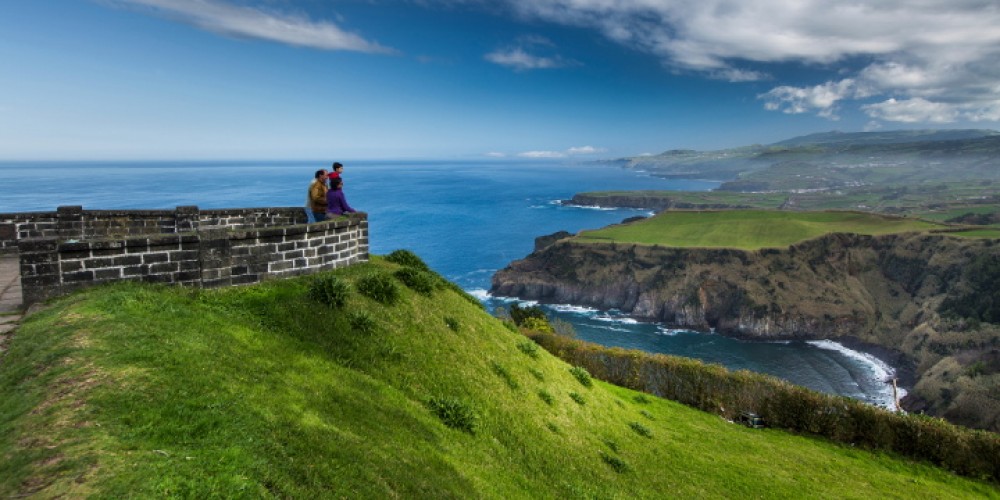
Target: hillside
x,y
837,161
265,391
929,298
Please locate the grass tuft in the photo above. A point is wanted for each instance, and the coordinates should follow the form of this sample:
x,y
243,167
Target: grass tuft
x,y
417,280
329,289
455,413
582,375
380,287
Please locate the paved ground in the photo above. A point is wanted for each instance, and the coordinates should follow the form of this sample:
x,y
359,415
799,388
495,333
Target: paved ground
x,y
10,296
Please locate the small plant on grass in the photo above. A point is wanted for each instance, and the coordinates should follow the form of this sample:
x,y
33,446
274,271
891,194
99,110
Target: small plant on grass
x,y
407,258
362,322
452,323
641,399
616,463
549,400
329,290
455,413
640,429
647,414
528,347
417,280
505,374
508,324
612,445
582,375
578,398
537,374
553,427
537,325
379,287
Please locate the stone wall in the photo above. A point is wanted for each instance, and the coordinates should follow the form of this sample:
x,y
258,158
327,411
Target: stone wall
x,y
74,248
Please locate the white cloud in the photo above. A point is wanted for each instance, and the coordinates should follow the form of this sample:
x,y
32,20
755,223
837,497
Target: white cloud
x,y
517,58
574,151
542,154
529,52
224,18
585,150
495,154
945,52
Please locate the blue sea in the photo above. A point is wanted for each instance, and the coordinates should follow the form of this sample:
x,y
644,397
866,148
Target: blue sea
x,y
466,219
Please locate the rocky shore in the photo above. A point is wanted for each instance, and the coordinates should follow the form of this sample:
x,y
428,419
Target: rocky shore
x,y
868,291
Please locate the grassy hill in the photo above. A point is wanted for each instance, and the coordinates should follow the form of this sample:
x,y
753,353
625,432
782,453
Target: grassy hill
x,y
263,391
749,229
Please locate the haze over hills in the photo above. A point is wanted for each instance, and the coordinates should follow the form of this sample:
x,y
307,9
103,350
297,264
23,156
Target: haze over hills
x,y
835,160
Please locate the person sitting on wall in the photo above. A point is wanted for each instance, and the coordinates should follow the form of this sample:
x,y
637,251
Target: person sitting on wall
x,y
317,197
336,203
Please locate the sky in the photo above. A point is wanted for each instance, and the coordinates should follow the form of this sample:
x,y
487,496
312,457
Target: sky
x,y
468,79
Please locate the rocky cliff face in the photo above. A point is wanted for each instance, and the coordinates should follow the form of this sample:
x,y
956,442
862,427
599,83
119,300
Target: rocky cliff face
x,y
883,291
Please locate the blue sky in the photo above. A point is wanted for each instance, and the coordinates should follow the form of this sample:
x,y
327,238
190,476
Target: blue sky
x,y
465,79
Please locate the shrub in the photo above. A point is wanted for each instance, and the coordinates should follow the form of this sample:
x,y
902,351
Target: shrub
x,y
520,314
616,463
578,398
455,413
640,429
407,258
528,347
553,427
505,374
537,325
537,374
641,399
647,414
330,290
461,293
362,322
549,400
452,323
379,287
418,281
582,375
611,445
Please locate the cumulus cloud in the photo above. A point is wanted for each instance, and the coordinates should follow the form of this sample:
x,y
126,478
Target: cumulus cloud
x,y
495,154
929,60
228,19
585,150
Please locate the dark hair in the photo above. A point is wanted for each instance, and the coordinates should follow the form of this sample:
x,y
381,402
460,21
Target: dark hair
x,y
320,172
337,165
335,182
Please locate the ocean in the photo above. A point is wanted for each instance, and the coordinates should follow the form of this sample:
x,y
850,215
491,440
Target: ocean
x,y
466,219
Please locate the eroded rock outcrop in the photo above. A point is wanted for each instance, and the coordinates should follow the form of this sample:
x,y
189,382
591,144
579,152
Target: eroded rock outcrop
x,y
874,290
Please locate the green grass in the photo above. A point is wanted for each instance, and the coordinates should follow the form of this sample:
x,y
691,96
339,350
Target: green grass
x,y
749,229
260,391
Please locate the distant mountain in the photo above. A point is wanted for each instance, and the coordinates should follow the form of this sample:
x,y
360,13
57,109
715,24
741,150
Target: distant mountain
x,y
888,137
837,160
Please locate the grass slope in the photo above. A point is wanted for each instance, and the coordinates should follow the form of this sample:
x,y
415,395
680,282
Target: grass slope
x,y
749,229
259,391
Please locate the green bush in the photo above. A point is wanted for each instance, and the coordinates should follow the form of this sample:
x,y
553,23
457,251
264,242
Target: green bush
x,y
505,374
578,398
452,323
640,429
582,375
537,325
362,322
616,463
418,281
455,413
379,287
537,374
407,258
329,290
521,314
528,347
549,400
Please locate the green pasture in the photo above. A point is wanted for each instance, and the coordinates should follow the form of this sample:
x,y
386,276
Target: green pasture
x,y
371,391
749,229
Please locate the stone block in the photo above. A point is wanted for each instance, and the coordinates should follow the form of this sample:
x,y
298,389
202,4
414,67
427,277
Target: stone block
x,y
155,258
78,276
128,260
108,274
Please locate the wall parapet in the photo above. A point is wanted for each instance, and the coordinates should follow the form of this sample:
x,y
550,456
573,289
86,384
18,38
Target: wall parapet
x,y
72,248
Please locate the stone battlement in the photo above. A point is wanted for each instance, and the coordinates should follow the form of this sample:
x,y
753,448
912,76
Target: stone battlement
x,y
72,248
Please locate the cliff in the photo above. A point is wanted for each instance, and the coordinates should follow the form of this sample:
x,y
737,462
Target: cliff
x,y
648,201
881,291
